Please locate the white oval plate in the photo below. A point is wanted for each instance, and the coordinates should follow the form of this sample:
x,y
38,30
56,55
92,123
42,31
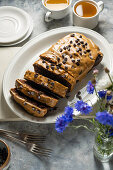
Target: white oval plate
x,y
29,54
14,24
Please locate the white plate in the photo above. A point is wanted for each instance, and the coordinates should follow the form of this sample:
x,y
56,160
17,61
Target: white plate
x,y
29,54
14,24
24,38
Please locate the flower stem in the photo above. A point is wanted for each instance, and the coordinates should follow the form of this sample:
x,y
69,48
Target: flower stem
x,y
110,78
82,126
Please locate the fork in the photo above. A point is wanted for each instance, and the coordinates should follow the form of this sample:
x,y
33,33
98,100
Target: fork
x,y
26,137
32,147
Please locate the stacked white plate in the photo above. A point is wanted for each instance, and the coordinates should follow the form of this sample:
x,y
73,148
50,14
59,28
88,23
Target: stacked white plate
x,y
16,25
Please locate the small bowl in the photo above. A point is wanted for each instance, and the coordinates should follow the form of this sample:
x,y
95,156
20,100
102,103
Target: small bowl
x,y
5,165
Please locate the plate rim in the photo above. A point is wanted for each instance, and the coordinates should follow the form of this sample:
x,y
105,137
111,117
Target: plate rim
x,y
25,14
31,43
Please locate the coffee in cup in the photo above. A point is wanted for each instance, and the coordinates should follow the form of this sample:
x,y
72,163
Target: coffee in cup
x,y
85,9
56,4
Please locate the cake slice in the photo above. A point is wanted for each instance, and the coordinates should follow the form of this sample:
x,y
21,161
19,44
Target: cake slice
x,y
32,107
29,90
47,83
54,72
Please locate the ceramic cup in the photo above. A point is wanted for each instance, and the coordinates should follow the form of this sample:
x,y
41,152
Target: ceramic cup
x,y
88,22
58,14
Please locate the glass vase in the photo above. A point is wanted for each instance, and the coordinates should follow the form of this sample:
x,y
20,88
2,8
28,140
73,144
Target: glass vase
x,y
103,148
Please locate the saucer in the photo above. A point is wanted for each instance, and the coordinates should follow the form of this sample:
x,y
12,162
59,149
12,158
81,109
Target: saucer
x,y
24,38
14,24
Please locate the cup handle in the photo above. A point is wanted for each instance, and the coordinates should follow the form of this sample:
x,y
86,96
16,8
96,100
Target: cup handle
x,y
100,5
48,16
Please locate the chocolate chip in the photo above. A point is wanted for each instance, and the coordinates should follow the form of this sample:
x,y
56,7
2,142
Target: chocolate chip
x,y
80,36
60,50
76,41
91,57
80,72
77,63
73,61
66,68
85,43
47,67
85,52
36,75
69,46
64,62
89,54
33,109
52,83
82,42
49,79
77,81
25,103
78,60
80,49
63,55
38,111
65,59
75,54
77,49
38,97
64,48
83,46
72,35
52,64
71,56
52,67
42,84
68,49
29,92
20,86
78,44
71,42
59,64
88,50
32,93
43,61
58,59
81,54
74,45
64,76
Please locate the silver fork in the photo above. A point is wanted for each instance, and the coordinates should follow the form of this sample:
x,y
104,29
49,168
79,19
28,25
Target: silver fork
x,y
26,137
32,147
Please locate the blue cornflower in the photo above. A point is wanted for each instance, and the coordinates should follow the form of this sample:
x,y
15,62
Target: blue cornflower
x,y
109,97
102,93
105,118
110,132
83,107
90,87
61,123
68,113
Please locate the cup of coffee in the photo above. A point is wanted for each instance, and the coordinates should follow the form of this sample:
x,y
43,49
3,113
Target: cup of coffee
x,y
56,9
86,13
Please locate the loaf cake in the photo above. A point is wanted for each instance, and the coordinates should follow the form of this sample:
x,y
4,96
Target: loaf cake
x,y
56,72
75,53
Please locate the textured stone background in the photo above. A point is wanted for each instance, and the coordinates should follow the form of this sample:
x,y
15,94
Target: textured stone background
x,y
73,149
